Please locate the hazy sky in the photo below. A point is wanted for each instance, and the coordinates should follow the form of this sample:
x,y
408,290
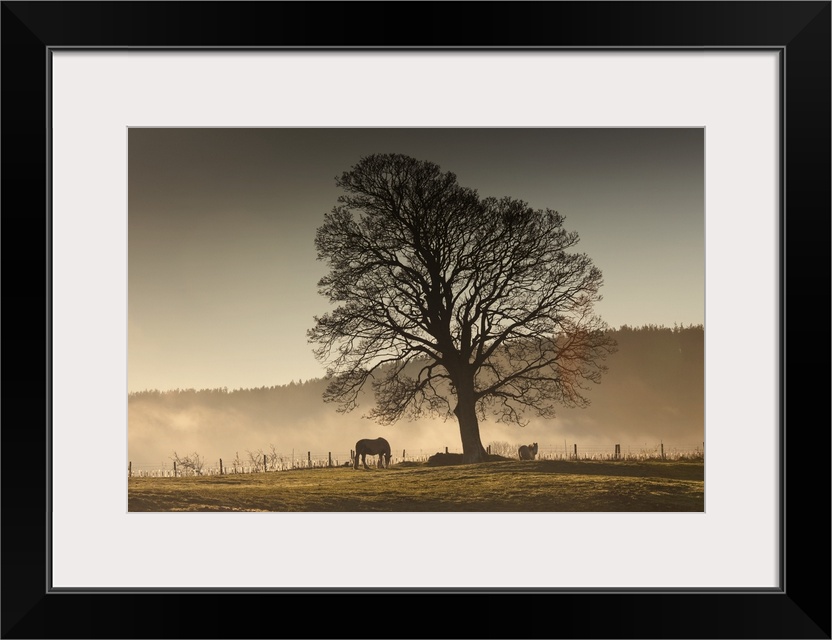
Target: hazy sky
x,y
222,265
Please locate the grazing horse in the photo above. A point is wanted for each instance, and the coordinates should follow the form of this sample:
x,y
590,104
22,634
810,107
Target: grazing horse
x,y
379,447
527,451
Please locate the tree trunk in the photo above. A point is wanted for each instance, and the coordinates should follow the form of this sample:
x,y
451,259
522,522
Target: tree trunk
x,y
469,426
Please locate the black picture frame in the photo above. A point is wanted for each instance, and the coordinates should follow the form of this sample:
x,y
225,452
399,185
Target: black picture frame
x,y
799,31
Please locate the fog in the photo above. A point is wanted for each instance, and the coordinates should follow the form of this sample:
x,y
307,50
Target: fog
x,y
652,393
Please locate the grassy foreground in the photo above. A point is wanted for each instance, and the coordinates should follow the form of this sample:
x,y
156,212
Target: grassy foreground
x,y
509,486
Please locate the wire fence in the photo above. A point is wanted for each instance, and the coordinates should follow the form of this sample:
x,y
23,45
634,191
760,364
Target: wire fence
x,y
258,462
660,451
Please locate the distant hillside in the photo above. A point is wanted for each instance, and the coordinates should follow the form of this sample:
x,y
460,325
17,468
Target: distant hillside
x,y
654,390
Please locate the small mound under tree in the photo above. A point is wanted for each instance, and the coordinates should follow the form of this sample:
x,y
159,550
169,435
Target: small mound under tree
x,y
449,303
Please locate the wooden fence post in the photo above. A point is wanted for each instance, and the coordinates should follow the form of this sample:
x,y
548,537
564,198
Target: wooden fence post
x,y
576,451
174,468
264,463
617,451
488,449
446,449
129,469
308,458
329,464
403,454
662,450
220,466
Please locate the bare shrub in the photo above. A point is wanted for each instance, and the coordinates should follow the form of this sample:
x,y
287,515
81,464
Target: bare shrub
x,y
503,449
255,459
274,459
189,465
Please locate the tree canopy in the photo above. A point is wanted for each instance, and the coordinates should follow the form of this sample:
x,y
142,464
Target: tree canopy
x,y
451,303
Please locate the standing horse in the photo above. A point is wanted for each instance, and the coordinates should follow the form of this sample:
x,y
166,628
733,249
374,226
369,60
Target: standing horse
x,y
378,447
527,451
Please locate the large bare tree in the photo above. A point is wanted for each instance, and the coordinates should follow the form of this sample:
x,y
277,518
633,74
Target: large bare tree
x,y
450,303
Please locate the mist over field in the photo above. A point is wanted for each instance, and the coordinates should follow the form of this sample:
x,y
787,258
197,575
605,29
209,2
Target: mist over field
x,y
653,391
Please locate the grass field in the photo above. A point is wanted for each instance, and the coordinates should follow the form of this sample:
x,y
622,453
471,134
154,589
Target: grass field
x,y
507,486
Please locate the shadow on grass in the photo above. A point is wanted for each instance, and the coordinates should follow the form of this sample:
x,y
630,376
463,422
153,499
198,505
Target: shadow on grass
x,y
648,469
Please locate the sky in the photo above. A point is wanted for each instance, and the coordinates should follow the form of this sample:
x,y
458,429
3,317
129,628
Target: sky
x,y
222,266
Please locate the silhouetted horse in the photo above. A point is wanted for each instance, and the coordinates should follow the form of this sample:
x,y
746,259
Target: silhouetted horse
x,y
528,451
378,447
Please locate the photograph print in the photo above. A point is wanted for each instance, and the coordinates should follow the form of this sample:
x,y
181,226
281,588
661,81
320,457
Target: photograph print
x,y
416,320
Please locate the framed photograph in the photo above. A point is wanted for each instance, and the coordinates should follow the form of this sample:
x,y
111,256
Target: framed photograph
x,y
623,405
173,170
